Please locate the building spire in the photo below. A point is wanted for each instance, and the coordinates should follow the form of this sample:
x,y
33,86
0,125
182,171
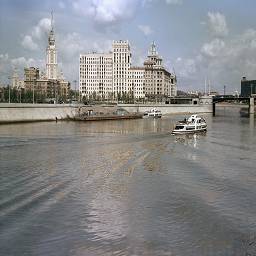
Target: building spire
x,y
152,50
52,20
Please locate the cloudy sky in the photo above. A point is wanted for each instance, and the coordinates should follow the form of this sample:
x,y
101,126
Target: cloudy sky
x,y
196,38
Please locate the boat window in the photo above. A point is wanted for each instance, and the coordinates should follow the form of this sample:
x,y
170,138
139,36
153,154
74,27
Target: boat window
x,y
190,128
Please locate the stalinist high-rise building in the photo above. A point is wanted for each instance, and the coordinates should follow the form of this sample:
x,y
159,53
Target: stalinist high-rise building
x,y
50,84
111,75
51,56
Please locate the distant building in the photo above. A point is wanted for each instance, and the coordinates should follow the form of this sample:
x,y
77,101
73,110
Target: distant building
x,y
16,82
248,87
31,75
52,84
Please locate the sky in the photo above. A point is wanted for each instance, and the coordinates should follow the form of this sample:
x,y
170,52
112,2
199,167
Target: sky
x,y
212,40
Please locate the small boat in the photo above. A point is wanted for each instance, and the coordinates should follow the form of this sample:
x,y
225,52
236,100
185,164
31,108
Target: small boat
x,y
152,113
193,124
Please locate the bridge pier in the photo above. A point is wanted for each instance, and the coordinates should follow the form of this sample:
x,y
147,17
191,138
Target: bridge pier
x,y
213,108
251,106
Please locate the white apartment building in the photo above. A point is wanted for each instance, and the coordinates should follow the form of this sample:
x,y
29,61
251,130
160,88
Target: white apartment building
x,y
121,65
111,75
96,75
137,81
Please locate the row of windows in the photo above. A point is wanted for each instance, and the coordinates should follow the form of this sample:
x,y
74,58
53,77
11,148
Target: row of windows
x,y
126,49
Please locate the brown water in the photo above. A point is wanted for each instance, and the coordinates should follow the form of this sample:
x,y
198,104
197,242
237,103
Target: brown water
x,y
128,188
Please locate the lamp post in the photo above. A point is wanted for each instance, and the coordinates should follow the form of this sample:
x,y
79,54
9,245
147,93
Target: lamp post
x,y
33,93
224,90
75,89
9,87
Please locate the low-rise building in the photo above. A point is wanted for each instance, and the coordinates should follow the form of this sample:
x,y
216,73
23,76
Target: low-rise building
x,y
31,75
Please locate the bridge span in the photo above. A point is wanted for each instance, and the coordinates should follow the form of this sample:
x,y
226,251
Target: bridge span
x,y
248,100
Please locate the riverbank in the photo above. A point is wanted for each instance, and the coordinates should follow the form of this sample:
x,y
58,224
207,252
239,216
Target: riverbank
x,y
16,112
19,112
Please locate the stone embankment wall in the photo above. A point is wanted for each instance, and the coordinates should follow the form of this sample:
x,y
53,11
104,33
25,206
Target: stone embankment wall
x,y
169,109
16,112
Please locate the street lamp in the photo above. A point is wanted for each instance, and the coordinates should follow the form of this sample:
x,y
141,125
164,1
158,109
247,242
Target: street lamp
x,y
9,89
33,93
75,89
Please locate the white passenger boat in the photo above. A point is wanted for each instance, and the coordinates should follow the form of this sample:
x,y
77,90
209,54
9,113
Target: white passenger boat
x,y
193,124
153,113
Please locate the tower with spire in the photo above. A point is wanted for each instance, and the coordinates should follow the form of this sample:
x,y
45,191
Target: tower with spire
x,y
153,55
51,55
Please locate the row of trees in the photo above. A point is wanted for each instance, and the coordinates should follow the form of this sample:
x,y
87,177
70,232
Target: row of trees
x,y
14,95
125,97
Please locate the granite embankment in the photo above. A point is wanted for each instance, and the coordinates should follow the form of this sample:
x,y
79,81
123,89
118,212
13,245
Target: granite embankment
x,y
168,108
18,112
15,112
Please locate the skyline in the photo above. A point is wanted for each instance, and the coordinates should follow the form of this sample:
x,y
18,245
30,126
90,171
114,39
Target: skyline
x,y
197,40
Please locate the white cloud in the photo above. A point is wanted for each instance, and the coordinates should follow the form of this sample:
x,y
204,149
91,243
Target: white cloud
x,y
217,24
28,43
223,61
37,33
214,48
8,64
171,2
145,29
73,44
23,62
106,12
42,28
174,1
4,57
185,67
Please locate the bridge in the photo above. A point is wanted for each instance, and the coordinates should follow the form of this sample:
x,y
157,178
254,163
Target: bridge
x,y
228,98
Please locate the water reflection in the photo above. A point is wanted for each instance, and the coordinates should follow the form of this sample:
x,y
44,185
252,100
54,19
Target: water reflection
x,y
190,139
127,188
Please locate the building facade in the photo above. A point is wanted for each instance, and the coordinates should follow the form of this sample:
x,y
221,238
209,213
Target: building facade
x,y
96,75
158,81
31,75
121,65
248,87
136,82
112,76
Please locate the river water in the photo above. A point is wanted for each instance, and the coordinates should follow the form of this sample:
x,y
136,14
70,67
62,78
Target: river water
x,y
128,188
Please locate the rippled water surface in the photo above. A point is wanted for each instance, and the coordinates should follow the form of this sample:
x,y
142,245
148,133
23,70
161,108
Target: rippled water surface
x,y
128,188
